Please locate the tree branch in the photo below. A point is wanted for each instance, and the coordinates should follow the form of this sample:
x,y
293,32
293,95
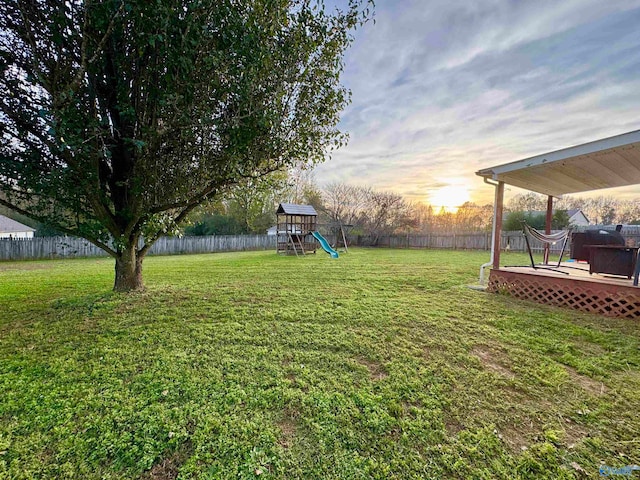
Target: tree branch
x,y
84,63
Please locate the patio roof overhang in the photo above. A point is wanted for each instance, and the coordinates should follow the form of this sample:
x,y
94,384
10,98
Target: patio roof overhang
x,y
607,163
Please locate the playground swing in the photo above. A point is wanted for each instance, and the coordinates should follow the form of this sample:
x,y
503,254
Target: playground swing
x,y
548,240
339,230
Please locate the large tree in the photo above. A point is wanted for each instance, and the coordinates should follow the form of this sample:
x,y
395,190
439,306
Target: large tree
x,y
385,213
344,203
254,203
118,117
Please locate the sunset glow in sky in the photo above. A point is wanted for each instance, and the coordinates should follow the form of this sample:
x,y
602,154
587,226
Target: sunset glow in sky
x,y
444,88
449,197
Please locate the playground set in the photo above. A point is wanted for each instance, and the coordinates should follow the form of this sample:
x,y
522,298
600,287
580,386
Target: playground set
x,y
297,231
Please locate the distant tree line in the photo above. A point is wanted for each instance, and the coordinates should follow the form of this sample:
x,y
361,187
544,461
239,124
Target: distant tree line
x,y
364,210
600,210
250,209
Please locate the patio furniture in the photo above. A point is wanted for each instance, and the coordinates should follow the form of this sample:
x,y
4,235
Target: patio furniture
x,y
636,271
581,240
612,259
577,251
549,239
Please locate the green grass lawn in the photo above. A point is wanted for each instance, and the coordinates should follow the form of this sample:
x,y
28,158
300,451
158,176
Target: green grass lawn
x,y
381,364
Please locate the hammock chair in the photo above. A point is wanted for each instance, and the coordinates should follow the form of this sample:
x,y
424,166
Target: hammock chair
x,y
547,239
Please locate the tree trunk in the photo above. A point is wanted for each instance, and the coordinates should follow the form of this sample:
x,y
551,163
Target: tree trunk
x,y
129,270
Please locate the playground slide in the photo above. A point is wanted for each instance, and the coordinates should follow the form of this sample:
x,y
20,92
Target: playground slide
x,y
325,245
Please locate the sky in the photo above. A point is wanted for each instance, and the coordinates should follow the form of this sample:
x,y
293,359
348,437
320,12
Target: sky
x,y
441,89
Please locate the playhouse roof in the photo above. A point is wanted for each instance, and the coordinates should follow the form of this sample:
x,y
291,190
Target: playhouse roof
x,y
292,209
607,163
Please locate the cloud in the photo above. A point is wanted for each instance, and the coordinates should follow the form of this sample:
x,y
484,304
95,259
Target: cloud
x,y
441,89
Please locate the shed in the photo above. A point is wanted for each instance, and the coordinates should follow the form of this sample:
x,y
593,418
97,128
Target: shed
x,y
9,228
295,225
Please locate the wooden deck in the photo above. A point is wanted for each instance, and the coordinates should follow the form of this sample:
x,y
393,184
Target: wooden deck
x,y
572,286
574,270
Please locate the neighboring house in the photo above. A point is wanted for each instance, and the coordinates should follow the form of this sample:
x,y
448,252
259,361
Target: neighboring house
x,y
274,230
11,229
577,217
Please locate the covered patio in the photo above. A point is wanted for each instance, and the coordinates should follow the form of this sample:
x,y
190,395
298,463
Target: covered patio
x,y
607,163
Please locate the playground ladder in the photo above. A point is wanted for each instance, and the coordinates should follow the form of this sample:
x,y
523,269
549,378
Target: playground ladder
x,y
293,242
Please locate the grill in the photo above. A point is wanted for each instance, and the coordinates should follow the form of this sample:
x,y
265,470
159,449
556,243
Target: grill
x,y
592,237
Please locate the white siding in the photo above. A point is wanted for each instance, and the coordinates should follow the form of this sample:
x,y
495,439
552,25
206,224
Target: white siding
x,y
16,234
578,219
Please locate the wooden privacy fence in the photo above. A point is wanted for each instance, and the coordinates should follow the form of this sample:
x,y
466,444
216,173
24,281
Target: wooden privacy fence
x,y
71,247
470,241
510,241
212,243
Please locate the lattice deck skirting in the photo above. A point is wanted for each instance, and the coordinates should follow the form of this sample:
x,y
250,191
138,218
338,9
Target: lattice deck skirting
x,y
580,294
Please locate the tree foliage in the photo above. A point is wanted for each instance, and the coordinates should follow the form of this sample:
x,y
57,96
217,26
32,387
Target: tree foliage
x,y
513,220
537,220
250,207
253,204
560,220
119,117
385,213
344,203
528,202
215,224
